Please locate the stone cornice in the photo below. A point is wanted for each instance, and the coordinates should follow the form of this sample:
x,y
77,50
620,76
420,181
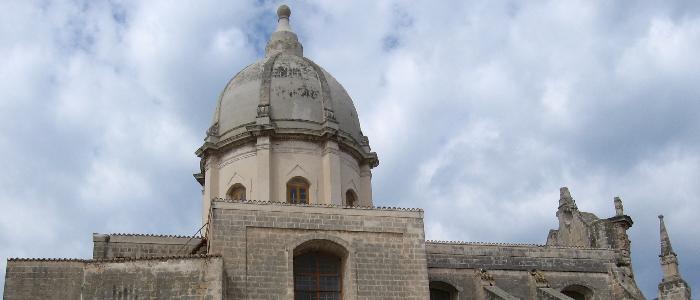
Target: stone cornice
x,y
345,141
623,219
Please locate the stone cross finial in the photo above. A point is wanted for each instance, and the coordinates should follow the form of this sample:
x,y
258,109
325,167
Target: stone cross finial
x,y
619,209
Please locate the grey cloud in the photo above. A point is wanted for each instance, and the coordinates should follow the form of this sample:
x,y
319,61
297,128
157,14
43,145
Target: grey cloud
x,y
480,111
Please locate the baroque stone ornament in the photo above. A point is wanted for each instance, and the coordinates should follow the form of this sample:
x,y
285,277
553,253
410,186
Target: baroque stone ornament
x,y
213,130
619,209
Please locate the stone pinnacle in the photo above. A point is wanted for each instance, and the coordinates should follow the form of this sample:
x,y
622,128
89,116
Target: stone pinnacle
x,y
666,248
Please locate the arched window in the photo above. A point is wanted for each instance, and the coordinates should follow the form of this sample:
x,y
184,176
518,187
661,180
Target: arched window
x,y
578,292
317,276
236,192
350,198
442,291
298,191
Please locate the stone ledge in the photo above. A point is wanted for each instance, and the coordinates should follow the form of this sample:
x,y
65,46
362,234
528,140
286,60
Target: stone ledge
x,y
258,202
152,235
173,257
254,205
509,245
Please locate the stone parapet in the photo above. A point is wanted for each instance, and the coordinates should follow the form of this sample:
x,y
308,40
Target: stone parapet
x,y
285,204
518,257
120,245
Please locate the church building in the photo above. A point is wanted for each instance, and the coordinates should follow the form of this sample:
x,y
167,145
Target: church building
x,y
288,213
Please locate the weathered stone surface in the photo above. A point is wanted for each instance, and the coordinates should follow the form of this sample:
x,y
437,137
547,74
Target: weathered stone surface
x,y
511,265
198,277
672,286
386,254
551,294
107,246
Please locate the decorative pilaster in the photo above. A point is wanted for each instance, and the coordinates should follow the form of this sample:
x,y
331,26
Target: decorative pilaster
x,y
672,286
211,185
365,185
332,193
262,148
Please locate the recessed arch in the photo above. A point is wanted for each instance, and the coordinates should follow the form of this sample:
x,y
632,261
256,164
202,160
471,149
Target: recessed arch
x,y
236,192
351,198
578,292
298,190
319,270
440,290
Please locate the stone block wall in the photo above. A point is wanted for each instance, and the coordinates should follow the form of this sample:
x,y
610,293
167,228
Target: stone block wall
x,y
43,279
108,246
191,277
511,266
385,248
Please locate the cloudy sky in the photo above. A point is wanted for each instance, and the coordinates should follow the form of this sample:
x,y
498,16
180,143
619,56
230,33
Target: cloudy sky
x,y
479,111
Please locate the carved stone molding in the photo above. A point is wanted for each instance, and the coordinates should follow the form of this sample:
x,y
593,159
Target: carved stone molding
x,y
236,158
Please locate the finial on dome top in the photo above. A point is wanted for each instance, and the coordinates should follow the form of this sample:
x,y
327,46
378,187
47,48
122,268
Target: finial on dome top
x,y
283,11
283,39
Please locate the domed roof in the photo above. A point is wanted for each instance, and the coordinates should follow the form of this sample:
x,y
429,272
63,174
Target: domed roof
x,y
297,90
285,93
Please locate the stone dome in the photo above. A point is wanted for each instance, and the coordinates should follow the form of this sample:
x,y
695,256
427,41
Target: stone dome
x,y
285,93
296,93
